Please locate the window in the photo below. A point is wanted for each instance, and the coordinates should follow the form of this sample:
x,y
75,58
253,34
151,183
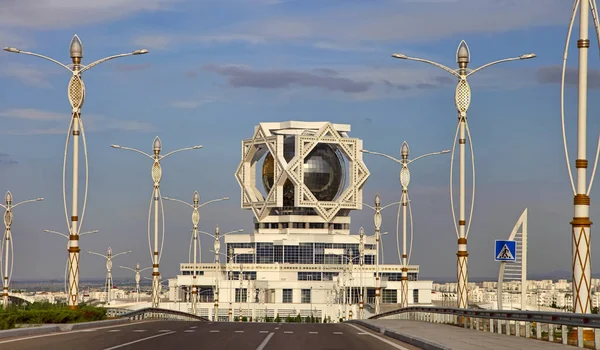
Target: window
x,y
290,254
305,296
309,276
264,253
287,296
390,296
278,254
241,295
416,296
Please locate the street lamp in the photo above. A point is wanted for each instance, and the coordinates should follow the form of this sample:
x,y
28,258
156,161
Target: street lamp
x,y
7,244
462,100
195,221
109,256
76,95
231,256
404,181
377,221
361,257
156,172
137,271
217,246
581,224
68,244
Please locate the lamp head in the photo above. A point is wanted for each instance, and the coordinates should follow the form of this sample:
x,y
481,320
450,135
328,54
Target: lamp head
x,y
217,230
76,50
527,56
12,49
115,146
361,232
400,56
197,147
463,57
157,145
445,151
139,52
404,150
196,197
137,266
377,200
109,251
8,197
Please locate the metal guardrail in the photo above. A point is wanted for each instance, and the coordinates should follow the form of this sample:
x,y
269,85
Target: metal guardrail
x,y
154,314
510,322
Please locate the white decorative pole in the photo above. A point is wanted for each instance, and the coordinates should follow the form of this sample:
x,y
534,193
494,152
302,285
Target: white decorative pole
x,y
156,173
361,262
7,244
581,224
195,221
229,265
76,95
350,268
462,100
404,181
109,258
217,246
137,271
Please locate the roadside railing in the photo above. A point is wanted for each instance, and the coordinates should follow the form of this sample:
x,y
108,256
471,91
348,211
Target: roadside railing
x,y
582,330
154,314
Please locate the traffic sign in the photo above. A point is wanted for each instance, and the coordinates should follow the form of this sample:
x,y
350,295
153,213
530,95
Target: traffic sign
x,y
505,251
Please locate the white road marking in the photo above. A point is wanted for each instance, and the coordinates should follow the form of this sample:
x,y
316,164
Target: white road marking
x,y
276,327
137,341
264,332
114,330
313,332
69,332
189,330
139,330
338,333
88,330
288,332
264,342
361,333
194,327
239,331
394,345
164,330
214,331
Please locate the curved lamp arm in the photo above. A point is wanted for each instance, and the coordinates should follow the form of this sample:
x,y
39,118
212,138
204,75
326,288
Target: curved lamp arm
x,y
441,66
429,154
122,253
14,50
85,233
136,52
27,201
58,233
206,233
181,150
178,200
522,57
128,268
94,253
132,149
383,155
389,205
212,201
145,268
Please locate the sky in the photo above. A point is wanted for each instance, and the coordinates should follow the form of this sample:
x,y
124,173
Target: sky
x,y
217,68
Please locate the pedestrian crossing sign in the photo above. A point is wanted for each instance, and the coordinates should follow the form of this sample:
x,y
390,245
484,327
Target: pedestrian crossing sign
x,y
505,251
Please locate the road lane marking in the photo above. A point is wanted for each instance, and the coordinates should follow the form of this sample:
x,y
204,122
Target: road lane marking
x,y
239,332
194,327
139,330
139,340
288,332
89,330
162,330
114,330
214,331
189,330
361,333
264,342
338,333
313,332
276,327
396,346
264,332
69,332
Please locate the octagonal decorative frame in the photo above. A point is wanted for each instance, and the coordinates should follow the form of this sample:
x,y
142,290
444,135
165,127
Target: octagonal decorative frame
x,y
266,138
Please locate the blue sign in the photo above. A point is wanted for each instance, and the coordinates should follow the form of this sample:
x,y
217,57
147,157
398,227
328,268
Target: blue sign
x,y
505,251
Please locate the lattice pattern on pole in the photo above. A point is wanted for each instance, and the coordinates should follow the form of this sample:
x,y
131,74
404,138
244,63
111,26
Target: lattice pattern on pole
x,y
463,295
581,269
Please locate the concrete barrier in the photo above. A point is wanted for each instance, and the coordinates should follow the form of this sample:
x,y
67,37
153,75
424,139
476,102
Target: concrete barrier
x,y
24,332
92,324
403,337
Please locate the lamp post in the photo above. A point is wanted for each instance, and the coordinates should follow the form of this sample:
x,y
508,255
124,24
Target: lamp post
x,y
156,172
109,256
404,181
377,221
195,220
76,95
137,271
229,266
462,100
217,246
581,224
7,245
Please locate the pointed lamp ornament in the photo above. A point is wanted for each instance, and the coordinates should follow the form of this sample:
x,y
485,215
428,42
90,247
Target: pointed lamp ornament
x,y
8,198
462,54
404,150
196,197
157,145
76,50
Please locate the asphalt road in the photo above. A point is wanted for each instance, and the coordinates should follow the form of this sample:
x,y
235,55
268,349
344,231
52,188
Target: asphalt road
x,y
214,336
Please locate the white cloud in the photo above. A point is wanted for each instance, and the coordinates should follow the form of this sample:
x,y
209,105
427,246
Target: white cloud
x,y
192,104
27,74
57,123
164,41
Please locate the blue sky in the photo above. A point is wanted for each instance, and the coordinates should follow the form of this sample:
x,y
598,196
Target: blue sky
x,y
217,68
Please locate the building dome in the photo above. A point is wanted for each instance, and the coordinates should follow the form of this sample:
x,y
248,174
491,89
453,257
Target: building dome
x,y
323,172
